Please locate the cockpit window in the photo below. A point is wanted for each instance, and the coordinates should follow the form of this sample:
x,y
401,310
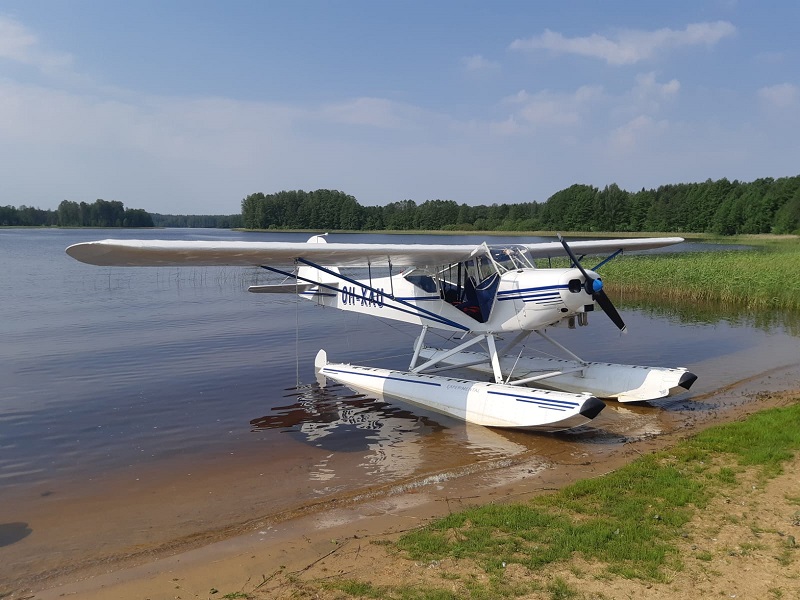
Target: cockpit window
x,y
422,280
510,258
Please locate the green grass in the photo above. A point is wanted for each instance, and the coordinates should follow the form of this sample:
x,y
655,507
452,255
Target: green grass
x,y
628,520
766,277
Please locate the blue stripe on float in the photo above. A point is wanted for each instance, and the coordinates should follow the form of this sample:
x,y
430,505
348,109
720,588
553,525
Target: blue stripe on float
x,y
380,376
547,406
534,399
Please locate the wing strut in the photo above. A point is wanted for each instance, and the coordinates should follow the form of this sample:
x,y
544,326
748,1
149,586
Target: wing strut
x,y
601,263
418,345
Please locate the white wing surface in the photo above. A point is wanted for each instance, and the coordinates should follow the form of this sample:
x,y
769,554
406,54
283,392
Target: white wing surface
x,y
157,253
547,249
161,253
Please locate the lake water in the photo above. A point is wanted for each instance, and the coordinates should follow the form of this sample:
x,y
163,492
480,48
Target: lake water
x,y
143,406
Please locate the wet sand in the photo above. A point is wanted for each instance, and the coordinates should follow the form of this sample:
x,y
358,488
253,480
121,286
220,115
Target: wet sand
x,y
235,543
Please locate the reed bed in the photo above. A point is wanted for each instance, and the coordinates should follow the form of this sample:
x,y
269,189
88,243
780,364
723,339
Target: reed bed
x,y
766,277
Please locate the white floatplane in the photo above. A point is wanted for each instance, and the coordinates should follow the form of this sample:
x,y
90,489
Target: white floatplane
x,y
478,293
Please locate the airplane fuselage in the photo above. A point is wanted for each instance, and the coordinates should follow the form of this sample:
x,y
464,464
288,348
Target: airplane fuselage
x,y
522,300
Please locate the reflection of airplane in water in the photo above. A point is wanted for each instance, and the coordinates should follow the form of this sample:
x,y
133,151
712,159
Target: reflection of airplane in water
x,y
334,419
321,413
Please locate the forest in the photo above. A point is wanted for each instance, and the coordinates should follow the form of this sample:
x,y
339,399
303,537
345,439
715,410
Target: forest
x,y
208,221
717,207
100,213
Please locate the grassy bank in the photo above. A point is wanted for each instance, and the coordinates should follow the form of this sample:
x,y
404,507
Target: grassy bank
x,y
634,524
766,277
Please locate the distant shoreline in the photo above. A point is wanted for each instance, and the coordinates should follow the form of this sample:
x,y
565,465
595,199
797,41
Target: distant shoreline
x,y
578,234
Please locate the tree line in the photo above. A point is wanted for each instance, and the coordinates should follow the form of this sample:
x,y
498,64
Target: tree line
x,y
100,213
204,221
721,207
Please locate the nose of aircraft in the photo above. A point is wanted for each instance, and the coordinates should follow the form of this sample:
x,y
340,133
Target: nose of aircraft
x,y
598,296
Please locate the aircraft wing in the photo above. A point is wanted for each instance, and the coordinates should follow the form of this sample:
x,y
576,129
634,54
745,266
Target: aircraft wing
x,y
549,249
161,253
158,253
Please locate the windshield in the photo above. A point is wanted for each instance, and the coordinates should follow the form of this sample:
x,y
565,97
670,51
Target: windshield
x,y
510,258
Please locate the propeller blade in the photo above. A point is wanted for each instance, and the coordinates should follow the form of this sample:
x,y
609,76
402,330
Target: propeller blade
x,y
572,256
605,303
595,288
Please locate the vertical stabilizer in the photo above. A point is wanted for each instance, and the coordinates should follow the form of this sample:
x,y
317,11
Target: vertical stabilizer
x,y
312,274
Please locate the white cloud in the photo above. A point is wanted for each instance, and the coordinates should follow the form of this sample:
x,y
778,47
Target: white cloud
x,y
507,127
646,84
629,136
372,112
781,96
212,129
145,150
20,45
549,109
628,47
648,95
478,64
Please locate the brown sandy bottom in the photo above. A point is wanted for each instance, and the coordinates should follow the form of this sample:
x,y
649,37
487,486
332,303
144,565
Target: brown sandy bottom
x,y
292,558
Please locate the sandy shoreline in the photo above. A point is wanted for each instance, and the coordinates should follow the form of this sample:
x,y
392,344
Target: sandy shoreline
x,y
242,557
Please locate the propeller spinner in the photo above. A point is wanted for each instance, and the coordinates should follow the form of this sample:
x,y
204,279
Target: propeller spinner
x,y
594,286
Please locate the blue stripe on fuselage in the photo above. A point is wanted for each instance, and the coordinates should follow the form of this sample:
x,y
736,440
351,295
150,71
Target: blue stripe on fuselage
x,y
535,294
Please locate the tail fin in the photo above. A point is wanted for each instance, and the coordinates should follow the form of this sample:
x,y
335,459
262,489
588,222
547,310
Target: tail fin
x,y
312,274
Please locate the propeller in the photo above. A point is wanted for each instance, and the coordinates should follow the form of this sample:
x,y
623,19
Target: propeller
x,y
594,286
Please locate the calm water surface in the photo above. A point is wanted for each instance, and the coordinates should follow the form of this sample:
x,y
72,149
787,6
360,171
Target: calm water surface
x,y
122,373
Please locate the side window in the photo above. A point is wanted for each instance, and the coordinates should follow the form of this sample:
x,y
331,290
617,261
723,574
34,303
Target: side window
x,y
486,267
472,270
426,282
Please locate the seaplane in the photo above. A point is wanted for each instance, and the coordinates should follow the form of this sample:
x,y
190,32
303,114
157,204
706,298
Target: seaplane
x,y
488,300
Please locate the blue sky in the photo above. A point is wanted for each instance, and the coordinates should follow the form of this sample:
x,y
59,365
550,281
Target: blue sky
x,y
188,106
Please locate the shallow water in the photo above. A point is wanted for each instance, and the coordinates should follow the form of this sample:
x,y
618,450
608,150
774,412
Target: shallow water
x,y
170,401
